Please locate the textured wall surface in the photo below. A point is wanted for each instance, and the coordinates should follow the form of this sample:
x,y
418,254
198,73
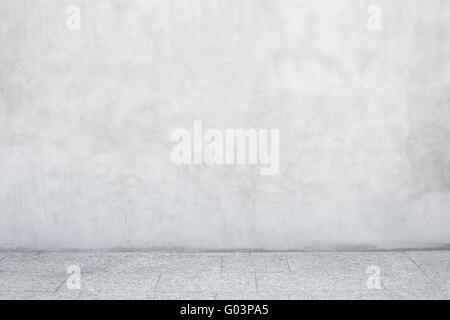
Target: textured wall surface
x,y
86,117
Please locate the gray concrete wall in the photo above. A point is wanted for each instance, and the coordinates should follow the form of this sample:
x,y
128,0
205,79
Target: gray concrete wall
x,y
86,117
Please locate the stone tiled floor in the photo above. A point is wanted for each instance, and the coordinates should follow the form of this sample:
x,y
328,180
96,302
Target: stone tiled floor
x,y
281,275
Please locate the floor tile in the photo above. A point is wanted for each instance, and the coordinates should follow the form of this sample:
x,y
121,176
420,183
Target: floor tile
x,y
144,263
35,282
250,296
228,276
255,264
352,295
206,282
37,295
184,296
111,286
435,264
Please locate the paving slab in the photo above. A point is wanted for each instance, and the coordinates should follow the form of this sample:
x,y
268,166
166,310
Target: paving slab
x,y
206,282
435,264
374,294
349,261
419,294
226,275
110,286
183,296
251,296
255,264
33,282
145,263
309,280
37,295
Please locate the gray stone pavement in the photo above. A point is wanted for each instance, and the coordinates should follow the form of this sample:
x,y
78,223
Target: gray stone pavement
x,y
251,275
